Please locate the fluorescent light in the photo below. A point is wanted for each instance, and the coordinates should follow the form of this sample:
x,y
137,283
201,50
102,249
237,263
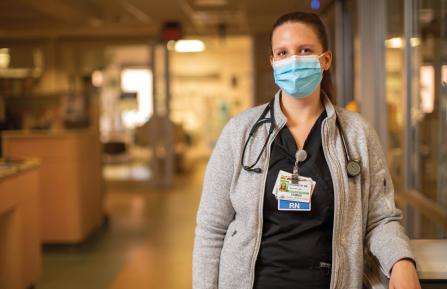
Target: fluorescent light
x,y
5,58
395,42
427,88
398,42
211,3
189,46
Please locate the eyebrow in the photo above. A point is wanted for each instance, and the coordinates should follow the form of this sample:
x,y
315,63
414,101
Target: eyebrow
x,y
300,46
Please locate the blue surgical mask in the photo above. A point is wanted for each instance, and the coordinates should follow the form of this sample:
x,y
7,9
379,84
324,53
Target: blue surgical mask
x,y
298,76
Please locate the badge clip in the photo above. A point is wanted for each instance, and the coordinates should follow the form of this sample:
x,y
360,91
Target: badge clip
x,y
301,155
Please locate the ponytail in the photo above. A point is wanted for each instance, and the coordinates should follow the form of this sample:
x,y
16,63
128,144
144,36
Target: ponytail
x,y
328,87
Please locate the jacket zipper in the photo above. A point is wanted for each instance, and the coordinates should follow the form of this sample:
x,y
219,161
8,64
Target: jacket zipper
x,y
336,257
387,274
260,208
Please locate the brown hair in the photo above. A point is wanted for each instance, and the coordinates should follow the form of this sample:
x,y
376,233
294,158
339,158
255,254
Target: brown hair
x,y
318,26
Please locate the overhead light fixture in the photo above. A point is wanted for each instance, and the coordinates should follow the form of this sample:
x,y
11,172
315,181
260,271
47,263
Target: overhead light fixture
x,y
398,42
189,46
5,58
395,42
211,3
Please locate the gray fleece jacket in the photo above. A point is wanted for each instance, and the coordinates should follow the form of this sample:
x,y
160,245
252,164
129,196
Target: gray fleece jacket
x,y
230,215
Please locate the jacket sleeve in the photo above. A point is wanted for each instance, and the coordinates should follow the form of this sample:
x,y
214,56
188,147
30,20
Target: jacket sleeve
x,y
385,237
214,214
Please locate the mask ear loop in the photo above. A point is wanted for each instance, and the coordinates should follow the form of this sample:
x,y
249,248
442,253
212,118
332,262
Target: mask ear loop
x,y
323,53
319,56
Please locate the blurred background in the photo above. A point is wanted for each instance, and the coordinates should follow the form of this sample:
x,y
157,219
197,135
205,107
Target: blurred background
x,y
109,111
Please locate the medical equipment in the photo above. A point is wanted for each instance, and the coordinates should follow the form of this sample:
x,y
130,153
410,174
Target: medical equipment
x,y
353,166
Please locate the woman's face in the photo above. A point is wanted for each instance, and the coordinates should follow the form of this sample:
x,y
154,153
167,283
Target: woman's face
x,y
294,38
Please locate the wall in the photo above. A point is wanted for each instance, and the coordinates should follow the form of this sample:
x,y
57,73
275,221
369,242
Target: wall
x,y
211,86
264,86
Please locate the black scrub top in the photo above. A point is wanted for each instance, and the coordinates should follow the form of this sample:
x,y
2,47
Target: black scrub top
x,y
294,243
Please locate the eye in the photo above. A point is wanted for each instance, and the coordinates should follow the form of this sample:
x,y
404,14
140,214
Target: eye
x,y
305,50
281,53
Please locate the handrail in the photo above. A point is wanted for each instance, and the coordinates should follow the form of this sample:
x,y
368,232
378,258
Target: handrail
x,y
424,205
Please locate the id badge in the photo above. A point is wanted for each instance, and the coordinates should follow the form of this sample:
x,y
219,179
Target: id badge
x,y
286,205
293,197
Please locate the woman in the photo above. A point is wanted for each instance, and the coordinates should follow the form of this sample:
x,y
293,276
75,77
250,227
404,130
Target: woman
x,y
283,187
250,234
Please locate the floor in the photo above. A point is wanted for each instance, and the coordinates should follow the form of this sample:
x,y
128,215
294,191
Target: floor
x,y
147,243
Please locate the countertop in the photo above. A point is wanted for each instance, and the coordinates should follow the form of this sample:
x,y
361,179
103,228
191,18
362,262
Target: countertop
x,y
10,168
431,258
47,133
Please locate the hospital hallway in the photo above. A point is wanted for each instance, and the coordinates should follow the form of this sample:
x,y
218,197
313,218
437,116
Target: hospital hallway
x,y
147,243
110,112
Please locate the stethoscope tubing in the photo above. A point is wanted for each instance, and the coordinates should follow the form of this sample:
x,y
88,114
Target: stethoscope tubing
x,y
353,166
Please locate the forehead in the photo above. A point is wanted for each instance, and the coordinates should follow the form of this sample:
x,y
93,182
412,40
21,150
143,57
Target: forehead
x,y
294,34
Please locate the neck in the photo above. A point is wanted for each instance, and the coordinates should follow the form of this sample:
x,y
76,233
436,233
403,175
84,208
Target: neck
x,y
301,110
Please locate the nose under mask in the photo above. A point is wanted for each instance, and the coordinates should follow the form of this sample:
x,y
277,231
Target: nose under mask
x,y
298,76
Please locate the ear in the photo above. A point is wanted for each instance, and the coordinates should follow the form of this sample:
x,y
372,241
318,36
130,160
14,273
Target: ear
x,y
326,60
271,60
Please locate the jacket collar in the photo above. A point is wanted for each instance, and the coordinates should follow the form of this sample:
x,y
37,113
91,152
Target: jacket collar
x,y
281,119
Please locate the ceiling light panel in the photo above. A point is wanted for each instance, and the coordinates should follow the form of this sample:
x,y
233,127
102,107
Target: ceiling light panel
x,y
210,3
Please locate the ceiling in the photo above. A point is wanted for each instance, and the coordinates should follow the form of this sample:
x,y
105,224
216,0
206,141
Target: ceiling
x,y
83,18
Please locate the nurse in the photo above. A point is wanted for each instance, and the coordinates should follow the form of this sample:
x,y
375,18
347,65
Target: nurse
x,y
280,207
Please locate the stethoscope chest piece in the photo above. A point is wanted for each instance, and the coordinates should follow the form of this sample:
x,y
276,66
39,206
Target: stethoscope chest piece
x,y
353,168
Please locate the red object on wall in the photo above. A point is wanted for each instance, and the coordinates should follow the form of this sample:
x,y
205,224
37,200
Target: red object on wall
x,y
171,30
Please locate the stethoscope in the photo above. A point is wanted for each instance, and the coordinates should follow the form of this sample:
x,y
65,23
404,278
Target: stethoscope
x,y
353,166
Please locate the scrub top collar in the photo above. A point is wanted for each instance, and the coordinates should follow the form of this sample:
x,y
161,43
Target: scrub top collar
x,y
281,118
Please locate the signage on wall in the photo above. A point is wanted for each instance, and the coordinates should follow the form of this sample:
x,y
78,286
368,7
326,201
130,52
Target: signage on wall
x,y
171,30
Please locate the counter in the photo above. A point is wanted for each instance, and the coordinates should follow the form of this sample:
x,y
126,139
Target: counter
x,y
431,259
13,167
71,189
20,250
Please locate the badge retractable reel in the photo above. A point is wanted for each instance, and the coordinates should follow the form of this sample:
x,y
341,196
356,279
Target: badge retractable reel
x,y
300,156
353,166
